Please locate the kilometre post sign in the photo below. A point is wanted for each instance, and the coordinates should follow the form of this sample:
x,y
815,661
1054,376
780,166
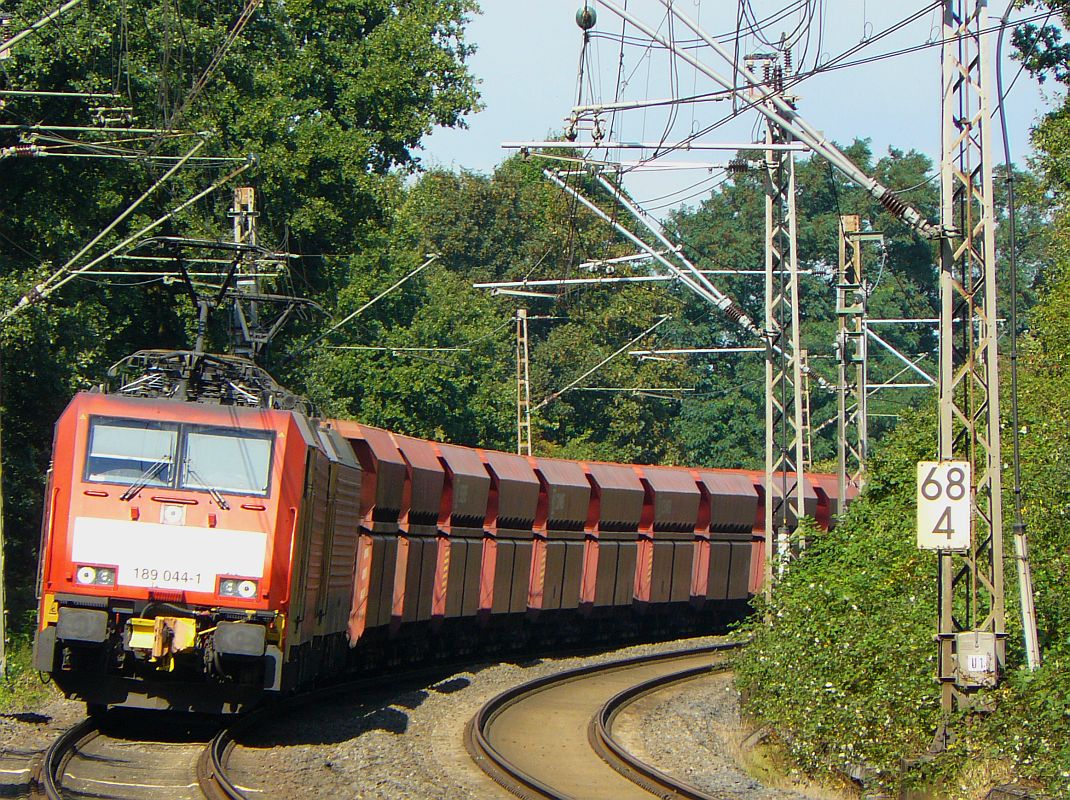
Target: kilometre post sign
x,y
944,505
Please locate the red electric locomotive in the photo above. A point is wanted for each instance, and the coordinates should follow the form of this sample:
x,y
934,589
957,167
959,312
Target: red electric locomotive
x,y
199,554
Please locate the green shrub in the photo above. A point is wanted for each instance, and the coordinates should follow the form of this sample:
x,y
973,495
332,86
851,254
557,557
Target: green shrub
x,y
845,672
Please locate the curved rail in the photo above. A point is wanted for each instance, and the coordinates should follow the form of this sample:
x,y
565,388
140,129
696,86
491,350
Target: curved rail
x,y
59,753
478,737
212,782
212,768
617,756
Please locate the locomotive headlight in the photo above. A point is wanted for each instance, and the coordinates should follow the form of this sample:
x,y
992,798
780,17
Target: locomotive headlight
x,y
86,575
95,576
237,587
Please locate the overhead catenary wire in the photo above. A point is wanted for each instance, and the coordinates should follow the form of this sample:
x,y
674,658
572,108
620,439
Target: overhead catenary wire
x,y
715,296
692,277
829,65
66,274
781,113
722,301
217,58
15,40
431,259
555,395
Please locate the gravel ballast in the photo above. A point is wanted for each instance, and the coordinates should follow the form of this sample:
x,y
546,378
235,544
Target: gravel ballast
x,y
694,732
26,734
408,742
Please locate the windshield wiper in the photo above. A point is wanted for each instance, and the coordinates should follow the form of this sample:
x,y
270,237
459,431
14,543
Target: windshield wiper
x,y
214,492
151,471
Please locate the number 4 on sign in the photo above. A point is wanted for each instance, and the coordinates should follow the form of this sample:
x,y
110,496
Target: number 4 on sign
x,y
944,505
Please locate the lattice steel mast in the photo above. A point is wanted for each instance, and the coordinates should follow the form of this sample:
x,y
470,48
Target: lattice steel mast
x,y
971,583
244,213
785,431
851,356
523,385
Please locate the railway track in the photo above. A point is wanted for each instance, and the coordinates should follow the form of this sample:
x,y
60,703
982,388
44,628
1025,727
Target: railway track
x,y
125,758
93,759
553,737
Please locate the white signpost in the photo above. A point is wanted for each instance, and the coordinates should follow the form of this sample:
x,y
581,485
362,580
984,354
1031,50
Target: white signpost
x,y
944,505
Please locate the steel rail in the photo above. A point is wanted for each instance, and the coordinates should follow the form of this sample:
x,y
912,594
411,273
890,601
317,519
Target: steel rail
x,y
212,768
60,752
523,784
600,734
46,781
212,774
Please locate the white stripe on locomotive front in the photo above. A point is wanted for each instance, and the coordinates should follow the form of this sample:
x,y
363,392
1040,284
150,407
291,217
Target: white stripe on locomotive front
x,y
191,557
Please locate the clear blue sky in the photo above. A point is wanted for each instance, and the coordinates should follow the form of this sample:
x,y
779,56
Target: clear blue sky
x,y
527,64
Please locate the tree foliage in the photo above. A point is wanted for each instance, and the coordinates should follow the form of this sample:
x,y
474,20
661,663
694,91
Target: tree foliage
x,y
333,96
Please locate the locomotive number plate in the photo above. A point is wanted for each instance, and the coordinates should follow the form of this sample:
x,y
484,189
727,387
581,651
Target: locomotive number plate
x,y
167,576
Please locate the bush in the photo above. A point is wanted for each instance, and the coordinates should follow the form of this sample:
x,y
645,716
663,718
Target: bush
x,y
845,672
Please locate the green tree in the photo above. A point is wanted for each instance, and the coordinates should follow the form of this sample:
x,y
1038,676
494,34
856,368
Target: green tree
x,y
333,95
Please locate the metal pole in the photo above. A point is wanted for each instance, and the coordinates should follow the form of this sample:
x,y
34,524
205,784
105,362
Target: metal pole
x,y
245,325
523,385
852,356
784,425
1021,544
971,585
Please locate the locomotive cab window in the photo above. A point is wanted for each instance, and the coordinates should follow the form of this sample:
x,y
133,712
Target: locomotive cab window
x,y
192,457
127,451
227,461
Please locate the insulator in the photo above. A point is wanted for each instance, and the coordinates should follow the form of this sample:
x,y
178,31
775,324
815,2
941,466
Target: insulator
x,y
25,150
787,61
767,73
890,200
735,313
586,18
738,166
778,78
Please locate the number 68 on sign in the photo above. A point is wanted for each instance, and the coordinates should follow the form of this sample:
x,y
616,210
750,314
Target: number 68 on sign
x,y
944,505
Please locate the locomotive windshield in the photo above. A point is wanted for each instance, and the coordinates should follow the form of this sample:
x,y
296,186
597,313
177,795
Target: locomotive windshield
x,y
227,460
125,451
209,459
